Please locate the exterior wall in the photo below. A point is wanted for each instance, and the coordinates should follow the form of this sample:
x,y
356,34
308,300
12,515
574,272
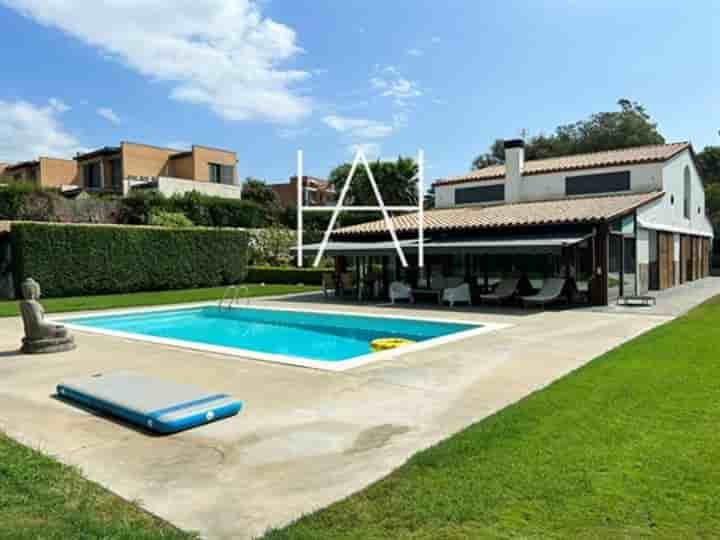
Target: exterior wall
x,y
144,160
202,157
286,193
642,239
183,167
667,212
58,172
29,173
541,187
105,173
178,186
3,166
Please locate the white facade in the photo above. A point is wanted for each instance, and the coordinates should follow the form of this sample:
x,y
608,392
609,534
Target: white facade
x,y
178,186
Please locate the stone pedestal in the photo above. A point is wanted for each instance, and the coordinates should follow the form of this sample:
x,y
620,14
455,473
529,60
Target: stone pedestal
x,y
47,345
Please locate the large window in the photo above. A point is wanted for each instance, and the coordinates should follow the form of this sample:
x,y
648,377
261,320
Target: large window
x,y
222,174
589,184
116,174
480,194
91,175
687,199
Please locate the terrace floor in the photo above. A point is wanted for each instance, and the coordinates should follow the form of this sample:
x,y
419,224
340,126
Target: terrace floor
x,y
306,438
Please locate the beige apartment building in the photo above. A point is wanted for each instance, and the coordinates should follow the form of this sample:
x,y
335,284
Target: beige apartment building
x,y
44,172
133,165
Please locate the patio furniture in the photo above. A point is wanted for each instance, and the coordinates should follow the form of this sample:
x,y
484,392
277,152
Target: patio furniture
x,y
434,293
156,404
636,300
453,295
328,284
551,291
400,291
505,290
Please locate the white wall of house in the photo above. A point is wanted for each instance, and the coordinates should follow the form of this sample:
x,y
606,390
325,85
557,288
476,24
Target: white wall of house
x,y
542,187
177,186
667,213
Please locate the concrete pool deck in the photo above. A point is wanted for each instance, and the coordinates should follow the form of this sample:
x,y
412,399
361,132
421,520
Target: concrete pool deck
x,y
306,438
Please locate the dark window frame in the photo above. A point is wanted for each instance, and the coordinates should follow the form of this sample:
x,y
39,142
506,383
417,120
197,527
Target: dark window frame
x,y
480,194
595,184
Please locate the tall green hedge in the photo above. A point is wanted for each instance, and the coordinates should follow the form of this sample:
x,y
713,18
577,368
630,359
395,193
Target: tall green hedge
x,y
70,260
284,275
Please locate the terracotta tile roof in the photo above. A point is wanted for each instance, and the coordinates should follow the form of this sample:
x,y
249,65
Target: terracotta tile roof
x,y
563,211
626,156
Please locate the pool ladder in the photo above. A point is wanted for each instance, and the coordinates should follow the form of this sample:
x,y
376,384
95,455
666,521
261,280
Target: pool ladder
x,y
231,296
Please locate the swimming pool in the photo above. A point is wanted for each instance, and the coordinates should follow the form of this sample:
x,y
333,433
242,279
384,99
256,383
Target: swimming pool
x,y
317,339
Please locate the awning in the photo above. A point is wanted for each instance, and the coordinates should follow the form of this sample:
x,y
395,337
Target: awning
x,y
497,245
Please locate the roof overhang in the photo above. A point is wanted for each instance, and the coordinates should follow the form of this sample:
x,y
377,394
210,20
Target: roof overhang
x,y
531,244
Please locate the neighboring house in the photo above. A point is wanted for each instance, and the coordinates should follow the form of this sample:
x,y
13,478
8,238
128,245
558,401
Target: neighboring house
x,y
3,166
615,223
316,192
129,166
44,172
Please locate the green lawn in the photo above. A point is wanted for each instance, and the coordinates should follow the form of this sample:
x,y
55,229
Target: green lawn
x,y
115,301
627,446
41,499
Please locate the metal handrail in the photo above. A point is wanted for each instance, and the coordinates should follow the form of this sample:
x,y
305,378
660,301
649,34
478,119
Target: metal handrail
x,y
231,296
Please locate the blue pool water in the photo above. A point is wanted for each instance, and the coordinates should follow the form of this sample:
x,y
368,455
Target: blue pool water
x,y
316,336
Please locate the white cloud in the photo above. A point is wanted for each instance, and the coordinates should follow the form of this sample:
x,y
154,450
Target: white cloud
x,y
219,53
398,88
359,127
109,115
435,39
58,105
28,131
415,52
371,150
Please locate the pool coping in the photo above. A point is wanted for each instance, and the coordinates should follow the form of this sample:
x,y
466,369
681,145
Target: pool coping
x,y
337,366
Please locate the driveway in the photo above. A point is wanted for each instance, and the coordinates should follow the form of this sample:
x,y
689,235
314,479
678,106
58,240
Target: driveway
x,y
306,437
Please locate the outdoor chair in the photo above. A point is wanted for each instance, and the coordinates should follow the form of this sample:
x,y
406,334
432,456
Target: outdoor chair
x,y
328,284
453,295
551,291
400,291
505,290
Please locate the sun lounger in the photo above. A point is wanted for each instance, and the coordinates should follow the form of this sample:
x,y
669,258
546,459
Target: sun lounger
x,y
155,404
453,295
551,291
505,290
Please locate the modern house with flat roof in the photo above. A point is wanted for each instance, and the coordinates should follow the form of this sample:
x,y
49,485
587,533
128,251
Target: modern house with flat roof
x,y
316,192
118,169
612,224
44,172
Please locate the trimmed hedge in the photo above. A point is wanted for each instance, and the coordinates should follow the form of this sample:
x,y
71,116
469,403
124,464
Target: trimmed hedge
x,y
274,275
75,260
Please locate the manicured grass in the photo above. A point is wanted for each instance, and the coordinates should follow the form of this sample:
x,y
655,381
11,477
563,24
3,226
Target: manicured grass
x,y
628,446
117,301
41,499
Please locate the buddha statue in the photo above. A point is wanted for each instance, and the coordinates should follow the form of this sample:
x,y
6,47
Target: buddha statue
x,y
40,335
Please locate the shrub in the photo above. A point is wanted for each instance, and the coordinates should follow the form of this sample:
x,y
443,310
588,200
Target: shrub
x,y
285,275
95,259
13,198
160,218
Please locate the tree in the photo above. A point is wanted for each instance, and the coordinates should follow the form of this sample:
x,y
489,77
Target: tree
x,y
395,181
630,126
258,191
709,161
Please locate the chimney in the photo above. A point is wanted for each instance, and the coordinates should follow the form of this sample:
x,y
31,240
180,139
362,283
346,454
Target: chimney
x,y
514,165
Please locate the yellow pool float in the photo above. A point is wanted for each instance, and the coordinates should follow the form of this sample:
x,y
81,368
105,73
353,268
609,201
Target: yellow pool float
x,y
385,344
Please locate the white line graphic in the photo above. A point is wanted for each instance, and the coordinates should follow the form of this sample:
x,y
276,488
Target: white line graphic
x,y
339,207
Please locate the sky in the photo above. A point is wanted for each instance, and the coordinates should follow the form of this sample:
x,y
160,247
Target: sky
x,y
267,78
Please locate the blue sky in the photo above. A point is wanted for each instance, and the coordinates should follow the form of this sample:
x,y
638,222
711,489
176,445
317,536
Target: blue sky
x,y
267,78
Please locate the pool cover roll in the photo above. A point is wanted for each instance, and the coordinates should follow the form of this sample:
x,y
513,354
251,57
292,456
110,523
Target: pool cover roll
x,y
155,404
